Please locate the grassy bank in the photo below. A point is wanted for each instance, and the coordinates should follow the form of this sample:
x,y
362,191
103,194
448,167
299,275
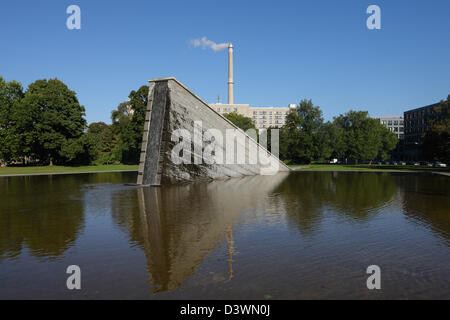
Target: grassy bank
x,y
366,168
62,170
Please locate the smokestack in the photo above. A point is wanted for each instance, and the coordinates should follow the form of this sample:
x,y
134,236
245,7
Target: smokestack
x,y
230,74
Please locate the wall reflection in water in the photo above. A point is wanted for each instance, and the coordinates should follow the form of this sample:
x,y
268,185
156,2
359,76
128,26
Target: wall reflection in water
x,y
227,238
181,225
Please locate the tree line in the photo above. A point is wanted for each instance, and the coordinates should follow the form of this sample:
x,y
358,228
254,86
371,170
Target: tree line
x,y
307,138
46,125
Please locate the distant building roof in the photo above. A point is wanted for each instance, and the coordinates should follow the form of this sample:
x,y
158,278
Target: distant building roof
x,y
426,107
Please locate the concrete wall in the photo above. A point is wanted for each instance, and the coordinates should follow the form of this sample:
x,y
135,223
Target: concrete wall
x,y
171,107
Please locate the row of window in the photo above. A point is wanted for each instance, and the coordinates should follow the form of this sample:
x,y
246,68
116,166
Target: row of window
x,y
270,121
227,109
263,126
418,114
396,129
267,117
416,130
393,122
268,112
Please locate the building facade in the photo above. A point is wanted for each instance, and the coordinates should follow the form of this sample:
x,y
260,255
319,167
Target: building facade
x,y
395,124
263,117
417,123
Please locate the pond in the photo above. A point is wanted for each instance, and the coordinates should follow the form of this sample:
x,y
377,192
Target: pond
x,y
303,235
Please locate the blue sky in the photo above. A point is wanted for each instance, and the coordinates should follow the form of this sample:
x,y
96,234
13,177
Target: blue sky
x,y
284,51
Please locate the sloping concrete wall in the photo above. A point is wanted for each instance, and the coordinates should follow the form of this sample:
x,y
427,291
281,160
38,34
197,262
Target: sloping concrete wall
x,y
172,107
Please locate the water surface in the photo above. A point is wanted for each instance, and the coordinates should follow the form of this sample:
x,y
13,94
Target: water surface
x,y
304,235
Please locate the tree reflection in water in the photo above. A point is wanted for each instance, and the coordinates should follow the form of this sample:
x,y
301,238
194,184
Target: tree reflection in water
x,y
354,195
43,214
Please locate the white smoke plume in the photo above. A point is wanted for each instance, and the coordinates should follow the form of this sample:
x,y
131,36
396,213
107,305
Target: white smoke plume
x,y
205,43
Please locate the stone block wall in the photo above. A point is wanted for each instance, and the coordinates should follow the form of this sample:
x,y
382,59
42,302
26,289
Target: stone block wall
x,y
171,107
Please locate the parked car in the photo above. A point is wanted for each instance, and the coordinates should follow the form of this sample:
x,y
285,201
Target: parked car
x,y
440,165
416,164
334,161
403,163
395,163
428,164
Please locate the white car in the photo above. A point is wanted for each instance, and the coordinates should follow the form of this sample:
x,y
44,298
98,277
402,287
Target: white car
x,y
440,165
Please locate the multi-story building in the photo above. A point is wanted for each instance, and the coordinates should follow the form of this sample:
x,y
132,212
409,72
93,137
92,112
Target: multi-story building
x,y
395,124
263,117
417,123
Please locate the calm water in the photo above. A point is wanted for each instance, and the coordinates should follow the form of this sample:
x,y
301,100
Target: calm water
x,y
291,236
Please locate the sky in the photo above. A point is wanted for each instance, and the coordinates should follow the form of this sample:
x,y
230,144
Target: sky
x,y
285,51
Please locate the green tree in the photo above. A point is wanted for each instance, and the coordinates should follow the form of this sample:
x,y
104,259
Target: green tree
x,y
331,141
389,142
50,122
240,121
128,125
105,142
363,138
11,93
436,142
303,139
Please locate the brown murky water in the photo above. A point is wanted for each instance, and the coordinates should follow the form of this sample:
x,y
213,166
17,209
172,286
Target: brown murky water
x,y
302,235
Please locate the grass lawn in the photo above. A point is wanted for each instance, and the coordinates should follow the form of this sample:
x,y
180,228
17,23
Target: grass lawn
x,y
368,168
61,170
